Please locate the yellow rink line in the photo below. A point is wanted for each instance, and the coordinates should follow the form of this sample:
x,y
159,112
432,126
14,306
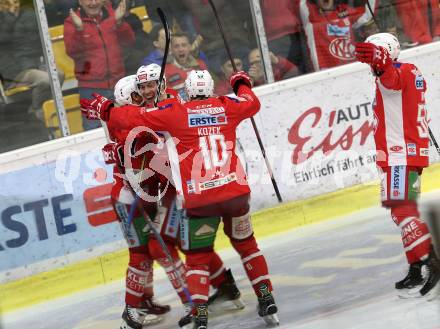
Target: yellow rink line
x,y
110,267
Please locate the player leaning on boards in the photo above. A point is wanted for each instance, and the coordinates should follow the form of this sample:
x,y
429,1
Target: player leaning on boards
x,y
402,144
210,180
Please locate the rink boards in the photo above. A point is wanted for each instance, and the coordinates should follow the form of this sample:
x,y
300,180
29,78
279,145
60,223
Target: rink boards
x,y
59,234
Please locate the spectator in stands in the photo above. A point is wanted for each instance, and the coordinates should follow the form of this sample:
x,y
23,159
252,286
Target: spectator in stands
x,y
133,55
414,15
222,86
181,62
157,39
25,67
157,36
283,31
282,68
328,26
94,35
237,24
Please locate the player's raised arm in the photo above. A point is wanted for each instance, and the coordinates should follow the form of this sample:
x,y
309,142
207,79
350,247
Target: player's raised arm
x,y
247,104
381,51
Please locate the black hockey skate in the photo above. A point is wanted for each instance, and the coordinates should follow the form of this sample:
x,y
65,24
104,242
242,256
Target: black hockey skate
x,y
410,285
227,292
154,308
267,308
136,318
200,317
431,288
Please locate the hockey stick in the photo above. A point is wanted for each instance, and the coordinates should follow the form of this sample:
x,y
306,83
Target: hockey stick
x,y
431,135
166,28
372,15
434,141
257,134
136,195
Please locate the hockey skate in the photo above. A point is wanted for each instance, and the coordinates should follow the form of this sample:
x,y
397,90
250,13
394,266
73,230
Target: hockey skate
x,y
200,318
154,308
431,288
136,318
266,306
196,318
410,285
226,292
186,321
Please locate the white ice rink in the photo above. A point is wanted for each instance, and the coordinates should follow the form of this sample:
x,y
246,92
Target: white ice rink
x,y
336,274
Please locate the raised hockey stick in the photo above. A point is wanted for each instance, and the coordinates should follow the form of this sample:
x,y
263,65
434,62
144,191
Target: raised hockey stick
x,y
431,135
257,134
166,28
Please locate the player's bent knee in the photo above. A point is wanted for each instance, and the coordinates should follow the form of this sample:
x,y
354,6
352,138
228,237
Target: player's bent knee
x,y
240,227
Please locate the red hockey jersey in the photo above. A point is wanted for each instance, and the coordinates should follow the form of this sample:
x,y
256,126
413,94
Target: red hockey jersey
x,y
153,159
201,143
401,123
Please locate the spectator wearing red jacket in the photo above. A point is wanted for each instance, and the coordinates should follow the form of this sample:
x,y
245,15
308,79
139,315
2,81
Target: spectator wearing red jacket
x,y
282,68
94,35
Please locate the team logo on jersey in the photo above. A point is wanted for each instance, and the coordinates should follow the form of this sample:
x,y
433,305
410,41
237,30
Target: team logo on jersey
x,y
396,149
200,120
338,31
411,149
342,48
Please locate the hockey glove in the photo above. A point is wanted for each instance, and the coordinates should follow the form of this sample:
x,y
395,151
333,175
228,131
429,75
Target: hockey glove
x,y
377,56
97,108
113,153
238,78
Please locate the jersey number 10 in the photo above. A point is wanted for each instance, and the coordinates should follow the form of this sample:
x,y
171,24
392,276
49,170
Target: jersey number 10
x,y
214,151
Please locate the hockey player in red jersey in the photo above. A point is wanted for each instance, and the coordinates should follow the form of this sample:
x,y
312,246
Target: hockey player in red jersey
x,y
402,143
140,307
168,217
210,180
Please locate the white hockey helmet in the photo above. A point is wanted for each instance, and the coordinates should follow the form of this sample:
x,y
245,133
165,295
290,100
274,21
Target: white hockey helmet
x,y
123,90
199,83
388,41
147,73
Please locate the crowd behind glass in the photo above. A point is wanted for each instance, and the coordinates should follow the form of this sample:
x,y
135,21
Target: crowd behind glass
x,y
101,41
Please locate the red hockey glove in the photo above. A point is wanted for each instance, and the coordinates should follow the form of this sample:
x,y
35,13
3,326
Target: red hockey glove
x,y
97,108
113,153
238,78
377,56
